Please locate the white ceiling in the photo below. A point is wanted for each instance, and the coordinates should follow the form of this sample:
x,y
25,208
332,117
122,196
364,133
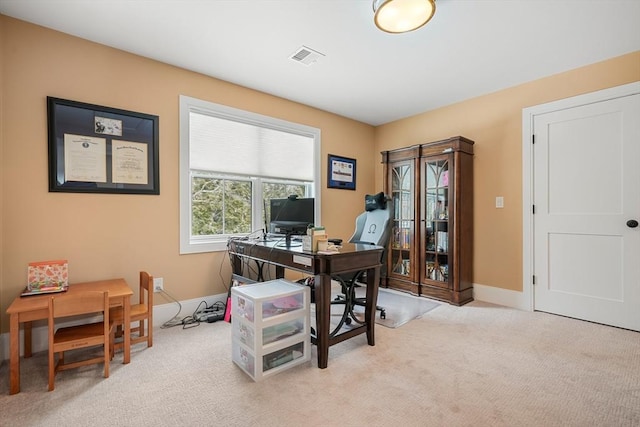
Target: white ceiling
x,y
470,48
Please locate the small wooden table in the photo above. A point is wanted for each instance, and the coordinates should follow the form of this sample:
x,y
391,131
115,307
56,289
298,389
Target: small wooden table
x,y
36,307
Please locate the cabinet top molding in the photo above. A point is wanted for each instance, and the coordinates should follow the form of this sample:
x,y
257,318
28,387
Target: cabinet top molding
x,y
444,146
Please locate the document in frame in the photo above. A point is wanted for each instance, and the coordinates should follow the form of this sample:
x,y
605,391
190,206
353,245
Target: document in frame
x,y
129,162
85,158
342,171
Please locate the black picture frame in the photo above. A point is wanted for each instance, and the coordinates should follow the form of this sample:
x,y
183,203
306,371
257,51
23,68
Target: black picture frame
x,y
97,149
341,172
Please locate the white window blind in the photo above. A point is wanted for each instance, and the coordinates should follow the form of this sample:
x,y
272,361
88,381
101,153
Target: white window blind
x,y
231,147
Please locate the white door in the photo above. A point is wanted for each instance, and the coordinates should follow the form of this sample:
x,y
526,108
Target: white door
x,y
586,193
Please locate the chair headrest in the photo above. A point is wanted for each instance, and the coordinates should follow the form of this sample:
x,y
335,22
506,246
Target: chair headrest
x,y
375,201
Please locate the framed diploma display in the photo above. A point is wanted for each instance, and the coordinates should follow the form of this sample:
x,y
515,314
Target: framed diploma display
x,y
341,173
95,149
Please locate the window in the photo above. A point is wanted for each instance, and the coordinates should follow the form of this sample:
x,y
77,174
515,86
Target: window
x,y
231,163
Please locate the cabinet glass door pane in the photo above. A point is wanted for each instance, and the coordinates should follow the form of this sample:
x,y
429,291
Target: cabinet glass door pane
x,y
436,221
400,263
403,219
431,191
402,191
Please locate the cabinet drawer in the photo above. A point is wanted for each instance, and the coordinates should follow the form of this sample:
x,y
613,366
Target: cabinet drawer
x,y
282,331
244,332
283,356
264,306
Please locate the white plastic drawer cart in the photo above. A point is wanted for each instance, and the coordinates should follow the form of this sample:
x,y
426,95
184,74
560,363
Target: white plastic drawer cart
x,y
270,322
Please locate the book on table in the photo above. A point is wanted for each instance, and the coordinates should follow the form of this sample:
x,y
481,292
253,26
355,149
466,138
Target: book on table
x,y
45,277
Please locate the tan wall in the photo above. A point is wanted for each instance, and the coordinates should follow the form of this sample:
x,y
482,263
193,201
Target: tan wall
x,y
107,235
494,122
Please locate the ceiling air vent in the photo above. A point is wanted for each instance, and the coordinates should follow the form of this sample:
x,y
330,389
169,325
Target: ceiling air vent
x,y
306,56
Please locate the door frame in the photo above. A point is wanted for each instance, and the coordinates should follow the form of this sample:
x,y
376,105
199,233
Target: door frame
x,y
528,116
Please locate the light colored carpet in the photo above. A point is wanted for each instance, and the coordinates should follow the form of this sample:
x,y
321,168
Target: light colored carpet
x,y
475,365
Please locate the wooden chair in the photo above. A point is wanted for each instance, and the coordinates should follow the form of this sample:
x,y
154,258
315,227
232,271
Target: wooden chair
x,y
80,336
141,312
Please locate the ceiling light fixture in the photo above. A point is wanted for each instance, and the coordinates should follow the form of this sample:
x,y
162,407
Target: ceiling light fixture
x,y
401,16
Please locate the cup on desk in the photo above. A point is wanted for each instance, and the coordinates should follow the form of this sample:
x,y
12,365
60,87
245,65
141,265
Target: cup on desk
x,y
323,245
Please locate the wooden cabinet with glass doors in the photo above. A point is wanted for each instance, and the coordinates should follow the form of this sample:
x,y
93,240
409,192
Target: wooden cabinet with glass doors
x,y
401,182
431,187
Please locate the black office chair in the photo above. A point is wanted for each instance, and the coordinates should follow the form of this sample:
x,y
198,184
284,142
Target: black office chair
x,y
372,228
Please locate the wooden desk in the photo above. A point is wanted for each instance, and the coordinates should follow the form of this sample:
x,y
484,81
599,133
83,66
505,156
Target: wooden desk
x,y
352,257
36,307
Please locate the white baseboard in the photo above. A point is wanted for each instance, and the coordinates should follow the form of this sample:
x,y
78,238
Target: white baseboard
x,y
505,297
161,314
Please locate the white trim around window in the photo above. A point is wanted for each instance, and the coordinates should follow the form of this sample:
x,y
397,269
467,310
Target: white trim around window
x,y
198,244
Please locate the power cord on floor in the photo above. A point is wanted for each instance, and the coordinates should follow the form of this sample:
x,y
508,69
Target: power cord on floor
x,y
186,322
210,313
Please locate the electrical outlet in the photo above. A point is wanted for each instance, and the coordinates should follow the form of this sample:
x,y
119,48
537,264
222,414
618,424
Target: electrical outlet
x,y
158,284
499,202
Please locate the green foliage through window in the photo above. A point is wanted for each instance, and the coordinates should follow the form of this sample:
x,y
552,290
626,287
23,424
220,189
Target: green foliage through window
x,y
224,205
220,206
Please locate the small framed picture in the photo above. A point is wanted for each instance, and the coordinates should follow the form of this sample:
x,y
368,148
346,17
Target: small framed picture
x,y
341,173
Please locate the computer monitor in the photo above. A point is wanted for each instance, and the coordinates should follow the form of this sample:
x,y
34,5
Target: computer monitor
x,y
291,216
